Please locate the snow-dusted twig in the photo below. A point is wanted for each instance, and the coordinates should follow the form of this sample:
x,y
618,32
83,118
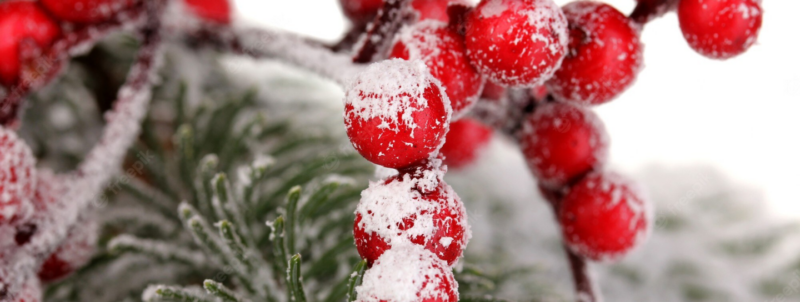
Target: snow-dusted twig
x,y
646,11
585,286
380,33
45,66
84,185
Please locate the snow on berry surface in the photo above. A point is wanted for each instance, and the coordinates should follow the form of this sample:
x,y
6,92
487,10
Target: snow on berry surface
x,y
396,114
563,142
604,216
443,51
408,273
77,249
604,55
17,178
517,42
720,29
435,9
86,11
395,211
466,141
22,21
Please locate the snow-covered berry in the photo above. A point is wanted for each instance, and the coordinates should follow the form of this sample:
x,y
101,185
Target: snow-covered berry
x,y
396,211
361,11
216,11
435,9
22,22
517,42
443,51
396,113
562,142
465,141
408,273
86,11
74,252
604,216
604,56
31,291
17,178
720,29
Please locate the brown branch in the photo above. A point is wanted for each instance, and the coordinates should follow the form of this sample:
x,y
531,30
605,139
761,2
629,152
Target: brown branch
x,y
647,10
381,32
39,68
585,287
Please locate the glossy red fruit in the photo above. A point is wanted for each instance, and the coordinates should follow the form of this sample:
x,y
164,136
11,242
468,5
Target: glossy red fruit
x,y
396,114
74,253
604,56
443,51
517,42
216,11
86,11
22,22
17,178
435,9
465,142
395,212
604,216
720,29
408,273
361,11
562,142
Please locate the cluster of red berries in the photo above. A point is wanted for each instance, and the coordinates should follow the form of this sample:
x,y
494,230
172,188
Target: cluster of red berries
x,y
31,27
398,113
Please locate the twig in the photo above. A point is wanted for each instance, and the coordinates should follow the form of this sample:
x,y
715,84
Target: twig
x,y
381,32
102,162
647,10
585,287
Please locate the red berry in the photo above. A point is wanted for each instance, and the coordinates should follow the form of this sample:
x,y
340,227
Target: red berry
x,y
395,114
720,29
604,55
74,253
517,42
217,11
395,211
86,11
465,141
604,216
493,91
539,92
435,9
361,11
562,142
17,178
22,22
443,51
408,273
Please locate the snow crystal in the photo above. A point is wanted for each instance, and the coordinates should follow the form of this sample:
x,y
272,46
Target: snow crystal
x,y
408,273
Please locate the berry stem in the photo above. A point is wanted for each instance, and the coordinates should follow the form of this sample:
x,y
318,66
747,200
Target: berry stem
x,y
104,160
381,32
585,287
647,10
71,43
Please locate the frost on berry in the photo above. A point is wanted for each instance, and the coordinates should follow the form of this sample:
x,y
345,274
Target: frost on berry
x,y
443,51
517,42
435,9
396,114
720,29
408,273
86,11
604,216
17,178
31,291
562,142
217,11
395,212
74,252
466,140
22,24
604,55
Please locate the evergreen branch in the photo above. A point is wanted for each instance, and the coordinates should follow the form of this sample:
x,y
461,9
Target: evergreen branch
x,y
228,234
258,170
229,207
159,250
220,291
295,279
319,197
208,168
355,280
291,217
279,246
158,293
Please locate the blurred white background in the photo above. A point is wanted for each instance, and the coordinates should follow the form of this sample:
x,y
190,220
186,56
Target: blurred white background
x,y
739,115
